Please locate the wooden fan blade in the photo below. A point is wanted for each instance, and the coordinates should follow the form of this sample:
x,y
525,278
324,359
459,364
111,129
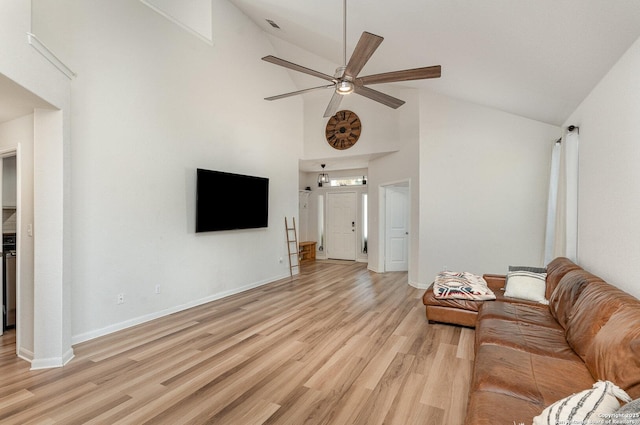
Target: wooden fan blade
x,y
333,106
282,96
299,68
367,44
385,99
405,75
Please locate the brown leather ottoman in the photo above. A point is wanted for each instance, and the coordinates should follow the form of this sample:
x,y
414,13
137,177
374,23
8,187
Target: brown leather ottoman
x,y
460,312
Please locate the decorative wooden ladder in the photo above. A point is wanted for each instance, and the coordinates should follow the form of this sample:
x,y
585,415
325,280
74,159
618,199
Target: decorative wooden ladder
x,y
292,240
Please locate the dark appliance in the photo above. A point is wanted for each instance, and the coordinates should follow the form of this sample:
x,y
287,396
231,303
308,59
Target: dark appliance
x,y
9,279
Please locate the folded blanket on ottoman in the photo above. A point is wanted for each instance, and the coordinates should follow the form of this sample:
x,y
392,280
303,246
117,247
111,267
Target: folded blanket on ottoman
x,y
461,285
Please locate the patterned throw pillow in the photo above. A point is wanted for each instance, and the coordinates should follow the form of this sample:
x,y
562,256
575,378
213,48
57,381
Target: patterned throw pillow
x,y
589,406
461,285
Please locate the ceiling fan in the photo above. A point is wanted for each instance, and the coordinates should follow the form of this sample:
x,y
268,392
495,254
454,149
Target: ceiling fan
x,y
346,79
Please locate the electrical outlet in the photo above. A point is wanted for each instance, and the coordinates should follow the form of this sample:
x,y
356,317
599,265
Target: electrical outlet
x,y
120,298
157,289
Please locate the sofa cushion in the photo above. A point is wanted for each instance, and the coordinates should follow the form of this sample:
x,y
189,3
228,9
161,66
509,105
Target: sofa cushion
x,y
491,408
595,305
614,353
556,270
540,340
536,379
567,292
535,314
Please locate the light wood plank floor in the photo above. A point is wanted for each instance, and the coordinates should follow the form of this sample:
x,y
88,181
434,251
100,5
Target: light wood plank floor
x,y
337,345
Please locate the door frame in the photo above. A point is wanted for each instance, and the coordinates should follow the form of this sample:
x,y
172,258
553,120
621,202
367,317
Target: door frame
x,y
382,221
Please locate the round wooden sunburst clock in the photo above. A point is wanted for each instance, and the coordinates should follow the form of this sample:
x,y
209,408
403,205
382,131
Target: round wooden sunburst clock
x,y
343,130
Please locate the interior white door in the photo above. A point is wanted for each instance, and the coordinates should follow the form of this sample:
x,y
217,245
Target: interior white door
x,y
397,228
341,225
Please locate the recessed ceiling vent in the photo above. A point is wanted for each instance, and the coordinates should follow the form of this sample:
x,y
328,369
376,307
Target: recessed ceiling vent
x,y
273,24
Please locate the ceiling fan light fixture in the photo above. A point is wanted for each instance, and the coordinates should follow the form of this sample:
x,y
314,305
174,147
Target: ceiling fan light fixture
x,y
344,87
346,78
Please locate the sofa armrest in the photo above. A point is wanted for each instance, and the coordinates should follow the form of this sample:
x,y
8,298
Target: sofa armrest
x,y
495,281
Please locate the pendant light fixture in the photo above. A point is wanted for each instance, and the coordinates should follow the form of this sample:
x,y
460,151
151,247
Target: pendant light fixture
x,y
323,178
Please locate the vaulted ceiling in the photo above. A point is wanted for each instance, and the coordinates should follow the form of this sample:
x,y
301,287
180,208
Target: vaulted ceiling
x,y
538,59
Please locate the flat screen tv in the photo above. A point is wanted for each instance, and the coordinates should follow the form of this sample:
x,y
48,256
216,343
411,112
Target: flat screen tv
x,y
226,201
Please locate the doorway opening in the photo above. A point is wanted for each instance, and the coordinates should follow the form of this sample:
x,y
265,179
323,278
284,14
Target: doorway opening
x,y
8,226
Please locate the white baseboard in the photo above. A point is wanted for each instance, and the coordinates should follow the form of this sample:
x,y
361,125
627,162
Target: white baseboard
x,y
52,362
372,268
76,339
418,285
68,356
25,354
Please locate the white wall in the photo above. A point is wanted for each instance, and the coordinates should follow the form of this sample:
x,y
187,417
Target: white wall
x,y
609,176
51,301
379,125
483,187
400,166
478,178
151,103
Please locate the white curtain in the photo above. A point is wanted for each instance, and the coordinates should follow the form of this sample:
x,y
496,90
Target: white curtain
x,y
562,215
552,203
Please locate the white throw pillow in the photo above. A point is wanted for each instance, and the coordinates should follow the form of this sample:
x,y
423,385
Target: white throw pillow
x,y
526,286
589,406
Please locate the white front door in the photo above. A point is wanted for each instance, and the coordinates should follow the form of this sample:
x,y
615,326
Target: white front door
x,y
341,225
397,229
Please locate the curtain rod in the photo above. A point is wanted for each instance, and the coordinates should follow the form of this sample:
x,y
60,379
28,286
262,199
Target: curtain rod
x,y
569,128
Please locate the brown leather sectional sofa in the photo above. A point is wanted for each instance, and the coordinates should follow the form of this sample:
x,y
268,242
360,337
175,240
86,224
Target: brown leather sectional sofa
x,y
528,356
